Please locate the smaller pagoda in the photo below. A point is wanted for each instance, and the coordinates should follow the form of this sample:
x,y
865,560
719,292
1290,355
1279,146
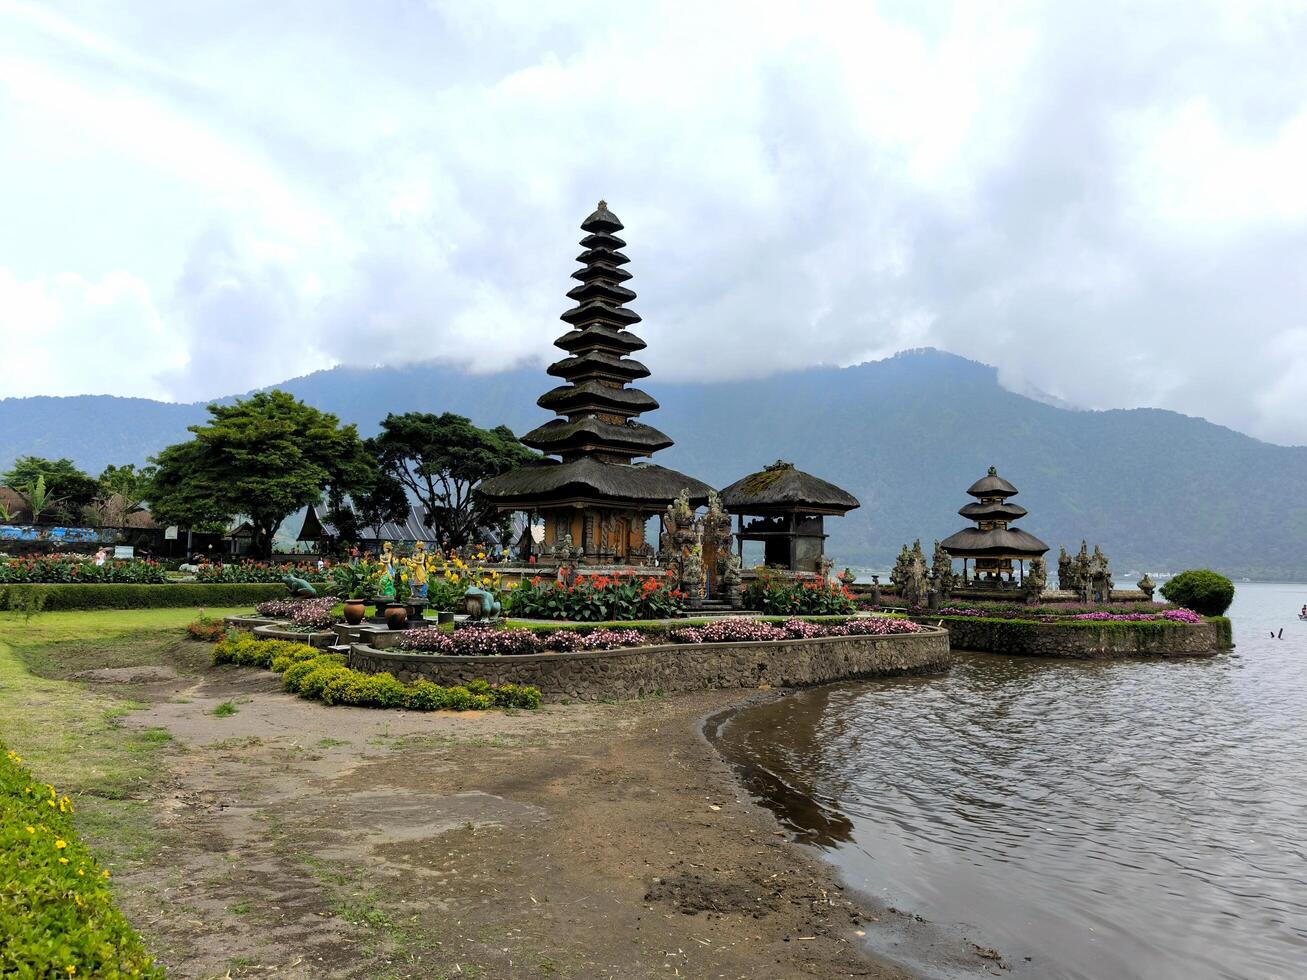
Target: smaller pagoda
x,y
788,507
993,545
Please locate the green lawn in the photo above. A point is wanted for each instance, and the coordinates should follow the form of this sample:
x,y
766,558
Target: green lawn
x,y
69,733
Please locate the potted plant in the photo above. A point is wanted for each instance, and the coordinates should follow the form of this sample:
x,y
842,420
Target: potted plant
x,y
397,607
352,581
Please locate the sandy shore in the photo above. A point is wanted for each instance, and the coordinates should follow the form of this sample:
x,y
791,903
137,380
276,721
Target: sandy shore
x,y
578,841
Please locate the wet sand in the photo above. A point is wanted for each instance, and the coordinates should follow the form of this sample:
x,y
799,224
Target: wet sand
x,y
579,841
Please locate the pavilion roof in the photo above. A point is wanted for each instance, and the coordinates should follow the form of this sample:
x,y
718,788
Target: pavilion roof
x,y
992,485
999,542
782,487
644,484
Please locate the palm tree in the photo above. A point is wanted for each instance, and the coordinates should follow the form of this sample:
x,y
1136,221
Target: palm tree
x,y
38,499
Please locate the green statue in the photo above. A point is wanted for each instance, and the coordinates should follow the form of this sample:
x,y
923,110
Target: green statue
x,y
299,588
482,606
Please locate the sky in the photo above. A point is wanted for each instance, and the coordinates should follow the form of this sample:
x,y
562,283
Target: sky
x,y
1107,201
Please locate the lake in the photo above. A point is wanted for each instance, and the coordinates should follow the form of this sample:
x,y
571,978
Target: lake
x,y
1084,819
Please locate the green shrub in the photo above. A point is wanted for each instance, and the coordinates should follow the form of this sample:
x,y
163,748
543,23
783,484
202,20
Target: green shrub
x,y
780,596
58,598
311,673
1202,590
57,914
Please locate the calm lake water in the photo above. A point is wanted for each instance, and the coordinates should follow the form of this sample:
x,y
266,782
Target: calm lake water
x,y
1107,820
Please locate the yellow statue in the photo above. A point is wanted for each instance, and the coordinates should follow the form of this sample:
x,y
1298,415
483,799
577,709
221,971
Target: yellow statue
x,y
417,565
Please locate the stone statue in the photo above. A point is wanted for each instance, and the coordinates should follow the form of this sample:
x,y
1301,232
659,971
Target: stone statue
x,y
1147,587
1036,579
941,572
299,588
1065,579
1081,574
1100,576
482,606
692,575
910,576
731,580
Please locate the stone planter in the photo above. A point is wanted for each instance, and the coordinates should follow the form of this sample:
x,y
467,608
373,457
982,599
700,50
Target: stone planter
x,y
249,622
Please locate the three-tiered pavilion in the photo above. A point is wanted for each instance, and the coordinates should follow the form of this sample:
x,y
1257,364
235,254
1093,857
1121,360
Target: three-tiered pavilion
x,y
993,544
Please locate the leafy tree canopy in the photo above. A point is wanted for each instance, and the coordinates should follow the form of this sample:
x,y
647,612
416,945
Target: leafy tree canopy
x,y
439,460
66,488
263,458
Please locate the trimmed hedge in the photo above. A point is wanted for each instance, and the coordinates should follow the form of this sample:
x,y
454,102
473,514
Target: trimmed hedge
x,y
59,598
1202,590
319,676
57,914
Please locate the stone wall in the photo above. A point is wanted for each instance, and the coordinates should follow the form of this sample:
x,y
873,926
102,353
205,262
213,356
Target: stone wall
x,y
676,668
1087,641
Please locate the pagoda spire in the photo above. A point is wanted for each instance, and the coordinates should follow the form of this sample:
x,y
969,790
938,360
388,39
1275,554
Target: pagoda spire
x,y
596,408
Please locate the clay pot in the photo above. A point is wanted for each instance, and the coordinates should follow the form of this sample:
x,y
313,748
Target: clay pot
x,y
396,615
354,611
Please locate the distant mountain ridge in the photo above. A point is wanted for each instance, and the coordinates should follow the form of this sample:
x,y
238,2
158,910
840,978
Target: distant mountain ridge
x,y
907,435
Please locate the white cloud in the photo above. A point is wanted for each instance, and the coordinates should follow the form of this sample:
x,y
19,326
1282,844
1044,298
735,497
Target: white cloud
x,y
1103,199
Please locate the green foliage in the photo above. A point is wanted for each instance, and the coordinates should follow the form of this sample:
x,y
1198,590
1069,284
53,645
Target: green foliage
x,y
593,598
55,487
353,581
322,676
1202,590
57,914
61,567
440,460
790,597
262,457
51,598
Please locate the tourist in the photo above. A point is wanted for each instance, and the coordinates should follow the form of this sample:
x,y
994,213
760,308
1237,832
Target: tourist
x,y
101,556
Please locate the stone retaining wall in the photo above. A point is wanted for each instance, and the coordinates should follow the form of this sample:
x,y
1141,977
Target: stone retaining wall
x,y
1084,642
676,668
321,640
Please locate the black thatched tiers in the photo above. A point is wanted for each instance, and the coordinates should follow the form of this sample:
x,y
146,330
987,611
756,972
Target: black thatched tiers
x,y
593,434
633,484
781,487
591,396
992,485
992,511
998,542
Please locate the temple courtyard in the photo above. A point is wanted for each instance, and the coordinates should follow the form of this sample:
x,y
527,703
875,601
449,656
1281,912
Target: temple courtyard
x,y
251,832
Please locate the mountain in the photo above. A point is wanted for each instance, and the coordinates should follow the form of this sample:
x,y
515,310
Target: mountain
x,y
907,435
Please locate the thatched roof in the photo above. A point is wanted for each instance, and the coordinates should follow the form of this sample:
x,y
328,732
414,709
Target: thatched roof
x,y
992,485
593,396
781,487
643,485
601,220
1010,542
16,504
600,336
592,434
976,511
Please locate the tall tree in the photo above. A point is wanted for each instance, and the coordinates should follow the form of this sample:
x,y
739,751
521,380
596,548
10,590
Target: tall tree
x,y
439,460
123,492
66,488
263,458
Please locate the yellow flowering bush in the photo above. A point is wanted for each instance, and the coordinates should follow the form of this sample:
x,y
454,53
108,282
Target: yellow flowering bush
x,y
57,914
448,580
320,676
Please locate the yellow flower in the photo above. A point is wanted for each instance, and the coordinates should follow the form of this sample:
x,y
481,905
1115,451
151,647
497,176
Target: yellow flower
x,y
71,969
104,873
60,844
63,860
31,829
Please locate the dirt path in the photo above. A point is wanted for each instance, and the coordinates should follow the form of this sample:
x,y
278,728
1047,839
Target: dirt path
x,y
579,841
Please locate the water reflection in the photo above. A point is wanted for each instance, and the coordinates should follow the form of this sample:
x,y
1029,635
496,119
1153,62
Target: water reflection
x,y
1124,819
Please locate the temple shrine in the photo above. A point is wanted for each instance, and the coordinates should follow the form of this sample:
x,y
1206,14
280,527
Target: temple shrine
x,y
596,497
993,545
788,508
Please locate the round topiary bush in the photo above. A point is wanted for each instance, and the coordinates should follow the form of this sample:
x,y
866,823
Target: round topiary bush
x,y
1202,590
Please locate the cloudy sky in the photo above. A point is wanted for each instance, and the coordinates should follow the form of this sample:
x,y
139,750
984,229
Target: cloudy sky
x,y
1108,201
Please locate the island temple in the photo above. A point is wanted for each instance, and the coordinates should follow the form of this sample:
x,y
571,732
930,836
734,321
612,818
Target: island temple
x,y
993,545
596,497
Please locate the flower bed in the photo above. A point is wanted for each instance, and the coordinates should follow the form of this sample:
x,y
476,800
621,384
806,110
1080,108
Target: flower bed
x,y
1033,614
485,641
61,567
594,598
57,914
261,571
791,597
324,677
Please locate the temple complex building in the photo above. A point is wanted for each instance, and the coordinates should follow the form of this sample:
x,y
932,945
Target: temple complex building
x,y
597,495
787,508
993,545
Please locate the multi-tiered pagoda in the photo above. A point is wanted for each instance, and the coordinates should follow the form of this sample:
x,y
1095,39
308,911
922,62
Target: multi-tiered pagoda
x,y
994,544
595,498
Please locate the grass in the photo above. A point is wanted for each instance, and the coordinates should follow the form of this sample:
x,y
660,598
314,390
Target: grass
x,y
71,734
